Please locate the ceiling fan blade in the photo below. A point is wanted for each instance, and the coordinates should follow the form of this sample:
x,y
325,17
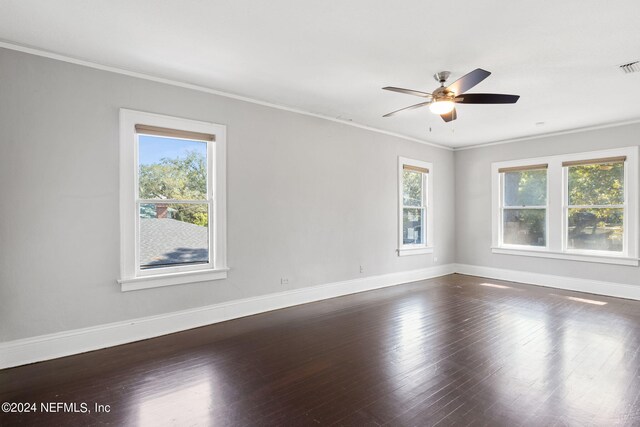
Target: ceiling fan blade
x,y
468,81
486,98
452,115
408,91
422,104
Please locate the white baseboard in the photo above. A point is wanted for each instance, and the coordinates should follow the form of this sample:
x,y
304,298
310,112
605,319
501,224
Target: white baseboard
x,y
619,290
51,346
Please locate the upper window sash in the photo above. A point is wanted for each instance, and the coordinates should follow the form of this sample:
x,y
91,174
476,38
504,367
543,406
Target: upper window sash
x,y
424,185
521,168
593,162
142,130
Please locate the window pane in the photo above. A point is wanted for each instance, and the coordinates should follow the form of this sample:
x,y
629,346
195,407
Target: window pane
x,y
601,184
524,227
411,188
595,229
412,226
526,188
173,234
172,168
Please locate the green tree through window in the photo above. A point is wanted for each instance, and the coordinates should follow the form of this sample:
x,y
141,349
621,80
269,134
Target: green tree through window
x,y
180,178
596,199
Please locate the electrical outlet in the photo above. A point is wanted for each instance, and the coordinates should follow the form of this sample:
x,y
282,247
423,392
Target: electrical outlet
x,y
284,281
435,259
361,269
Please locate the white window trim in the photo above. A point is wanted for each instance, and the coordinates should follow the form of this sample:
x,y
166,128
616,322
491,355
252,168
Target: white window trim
x,y
131,276
427,247
556,204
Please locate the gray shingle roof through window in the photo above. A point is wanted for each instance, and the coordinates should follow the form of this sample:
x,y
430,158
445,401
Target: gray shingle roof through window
x,y
169,241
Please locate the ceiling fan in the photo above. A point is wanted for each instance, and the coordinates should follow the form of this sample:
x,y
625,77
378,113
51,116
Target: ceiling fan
x,y
442,101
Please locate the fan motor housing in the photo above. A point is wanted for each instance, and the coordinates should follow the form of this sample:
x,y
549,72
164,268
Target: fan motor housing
x,y
442,94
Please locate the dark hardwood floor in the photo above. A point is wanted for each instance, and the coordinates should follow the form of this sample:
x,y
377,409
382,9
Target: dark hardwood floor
x,y
457,350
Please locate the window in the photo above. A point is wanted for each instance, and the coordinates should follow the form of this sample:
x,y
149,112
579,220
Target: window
x,y
595,207
580,207
415,207
172,201
524,205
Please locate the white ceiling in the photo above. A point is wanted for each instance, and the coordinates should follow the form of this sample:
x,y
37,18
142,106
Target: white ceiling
x,y
332,58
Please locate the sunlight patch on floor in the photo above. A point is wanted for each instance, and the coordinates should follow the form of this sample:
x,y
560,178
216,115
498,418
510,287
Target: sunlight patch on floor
x,y
588,301
494,285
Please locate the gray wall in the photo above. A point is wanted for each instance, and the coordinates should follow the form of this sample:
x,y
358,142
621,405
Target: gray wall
x,y
473,202
308,198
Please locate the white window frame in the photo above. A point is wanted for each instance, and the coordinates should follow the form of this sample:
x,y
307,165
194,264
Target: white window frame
x,y
427,189
132,277
557,207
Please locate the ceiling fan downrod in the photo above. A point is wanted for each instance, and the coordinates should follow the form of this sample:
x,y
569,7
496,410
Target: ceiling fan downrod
x,y
442,77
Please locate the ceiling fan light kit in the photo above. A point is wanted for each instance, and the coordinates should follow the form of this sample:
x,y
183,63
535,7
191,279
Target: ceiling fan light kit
x,y
443,99
441,107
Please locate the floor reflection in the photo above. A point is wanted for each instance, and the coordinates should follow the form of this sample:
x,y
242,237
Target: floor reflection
x,y
177,397
586,300
562,369
414,350
494,285
596,379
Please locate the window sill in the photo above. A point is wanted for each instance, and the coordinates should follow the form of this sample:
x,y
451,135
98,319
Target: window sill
x,y
539,253
171,279
415,251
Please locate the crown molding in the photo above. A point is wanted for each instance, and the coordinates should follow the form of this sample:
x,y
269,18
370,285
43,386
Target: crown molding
x,y
85,63
64,58
550,134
